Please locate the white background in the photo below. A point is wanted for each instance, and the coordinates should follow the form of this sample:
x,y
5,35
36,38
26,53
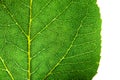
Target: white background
x,y
109,68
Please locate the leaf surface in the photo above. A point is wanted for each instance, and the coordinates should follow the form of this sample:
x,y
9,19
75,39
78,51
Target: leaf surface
x,y
49,39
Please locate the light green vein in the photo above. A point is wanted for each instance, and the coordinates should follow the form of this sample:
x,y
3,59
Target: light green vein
x,y
73,71
84,53
6,69
11,15
51,21
42,8
67,51
29,43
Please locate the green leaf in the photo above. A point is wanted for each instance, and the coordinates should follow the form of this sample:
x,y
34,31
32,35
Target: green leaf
x,y
49,39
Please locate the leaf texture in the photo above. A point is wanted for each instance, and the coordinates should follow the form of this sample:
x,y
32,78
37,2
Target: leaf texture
x,y
49,39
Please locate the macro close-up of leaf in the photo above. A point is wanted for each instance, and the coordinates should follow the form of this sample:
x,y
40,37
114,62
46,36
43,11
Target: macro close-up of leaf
x,y
49,39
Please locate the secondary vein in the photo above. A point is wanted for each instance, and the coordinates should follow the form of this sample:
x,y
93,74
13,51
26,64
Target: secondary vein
x,y
54,19
16,22
67,51
6,69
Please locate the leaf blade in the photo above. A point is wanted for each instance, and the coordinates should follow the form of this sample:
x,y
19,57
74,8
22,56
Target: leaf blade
x,y
64,45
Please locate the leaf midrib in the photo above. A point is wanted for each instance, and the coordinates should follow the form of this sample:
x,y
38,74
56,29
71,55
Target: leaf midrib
x,y
29,42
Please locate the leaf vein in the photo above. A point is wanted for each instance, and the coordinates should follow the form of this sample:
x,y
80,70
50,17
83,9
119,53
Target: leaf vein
x,y
19,66
74,63
29,42
72,71
79,54
57,64
17,46
42,8
6,68
54,19
11,15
